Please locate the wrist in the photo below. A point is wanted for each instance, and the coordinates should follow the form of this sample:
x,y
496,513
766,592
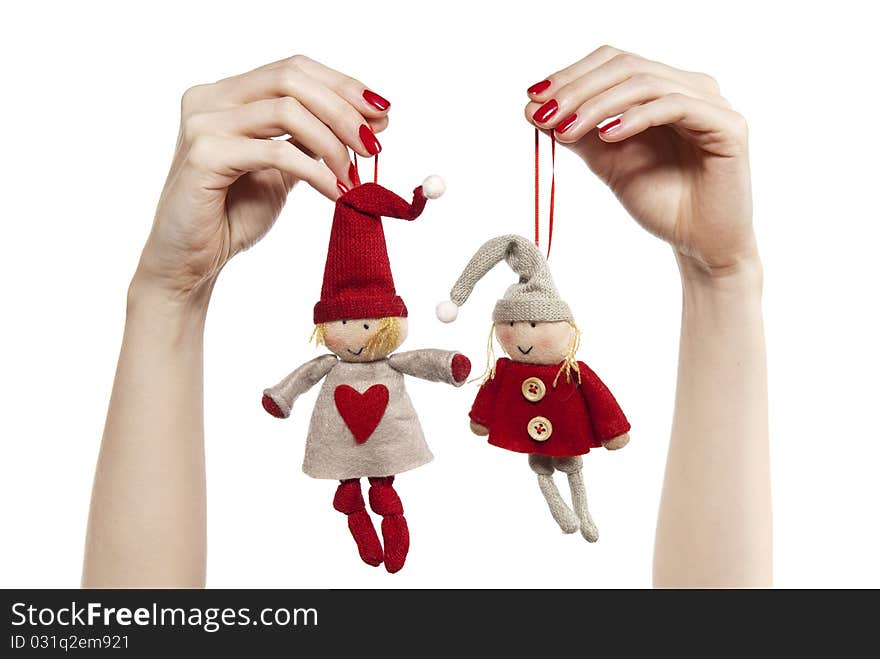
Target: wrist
x,y
167,311
743,278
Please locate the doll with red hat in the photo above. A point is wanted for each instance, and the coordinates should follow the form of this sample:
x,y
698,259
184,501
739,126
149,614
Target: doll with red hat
x,y
541,400
364,424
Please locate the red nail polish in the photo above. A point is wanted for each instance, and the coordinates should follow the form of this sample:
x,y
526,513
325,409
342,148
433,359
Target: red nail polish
x,y
539,87
376,101
353,175
566,123
546,111
371,144
341,187
611,125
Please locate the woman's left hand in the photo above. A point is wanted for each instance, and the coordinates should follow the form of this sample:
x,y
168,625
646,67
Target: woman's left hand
x,y
676,156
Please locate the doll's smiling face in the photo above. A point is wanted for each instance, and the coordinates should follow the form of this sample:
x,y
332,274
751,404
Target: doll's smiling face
x,y
364,339
536,342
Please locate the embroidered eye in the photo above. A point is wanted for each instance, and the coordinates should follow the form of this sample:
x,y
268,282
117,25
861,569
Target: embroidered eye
x,y
532,324
366,326
511,323
344,321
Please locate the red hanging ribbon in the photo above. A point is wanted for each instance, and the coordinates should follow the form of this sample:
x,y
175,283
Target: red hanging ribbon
x,y
552,191
537,189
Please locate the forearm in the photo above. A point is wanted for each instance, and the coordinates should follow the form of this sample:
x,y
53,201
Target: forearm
x,y
147,519
714,526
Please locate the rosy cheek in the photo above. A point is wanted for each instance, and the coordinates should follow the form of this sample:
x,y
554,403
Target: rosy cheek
x,y
505,335
545,343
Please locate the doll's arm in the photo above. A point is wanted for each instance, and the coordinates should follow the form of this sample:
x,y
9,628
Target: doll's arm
x,y
434,365
610,425
278,400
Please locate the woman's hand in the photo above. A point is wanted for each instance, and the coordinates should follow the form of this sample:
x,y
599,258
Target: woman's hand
x,y
676,157
228,180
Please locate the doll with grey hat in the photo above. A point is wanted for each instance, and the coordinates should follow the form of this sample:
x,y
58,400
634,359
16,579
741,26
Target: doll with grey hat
x,y
540,400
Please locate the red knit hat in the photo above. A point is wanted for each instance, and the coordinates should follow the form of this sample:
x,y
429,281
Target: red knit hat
x,y
357,275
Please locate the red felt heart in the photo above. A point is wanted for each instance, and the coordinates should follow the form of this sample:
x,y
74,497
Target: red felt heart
x,y
361,411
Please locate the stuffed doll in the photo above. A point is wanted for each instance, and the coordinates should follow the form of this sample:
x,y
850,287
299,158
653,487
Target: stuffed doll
x,y
363,423
541,400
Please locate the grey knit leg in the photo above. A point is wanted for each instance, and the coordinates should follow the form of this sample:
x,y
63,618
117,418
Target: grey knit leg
x,y
543,466
574,468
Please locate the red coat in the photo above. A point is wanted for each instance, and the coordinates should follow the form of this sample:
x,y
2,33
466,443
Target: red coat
x,y
526,414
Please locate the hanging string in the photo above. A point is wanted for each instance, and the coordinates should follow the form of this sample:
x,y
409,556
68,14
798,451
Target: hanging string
x,y
537,190
357,172
552,190
376,168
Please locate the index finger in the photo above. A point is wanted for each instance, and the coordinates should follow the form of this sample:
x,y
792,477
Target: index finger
x,y
545,89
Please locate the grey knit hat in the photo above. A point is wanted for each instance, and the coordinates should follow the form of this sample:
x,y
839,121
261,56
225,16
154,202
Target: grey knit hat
x,y
533,297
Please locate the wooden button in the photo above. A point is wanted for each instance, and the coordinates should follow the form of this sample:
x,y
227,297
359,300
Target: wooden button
x,y
533,389
540,429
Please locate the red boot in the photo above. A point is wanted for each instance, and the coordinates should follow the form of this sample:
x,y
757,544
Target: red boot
x,y
350,500
395,533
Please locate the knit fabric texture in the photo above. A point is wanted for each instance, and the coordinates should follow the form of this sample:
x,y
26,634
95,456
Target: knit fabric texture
x,y
532,298
357,275
353,432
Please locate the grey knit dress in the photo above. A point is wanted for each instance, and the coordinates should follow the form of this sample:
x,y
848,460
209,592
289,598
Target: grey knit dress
x,y
395,444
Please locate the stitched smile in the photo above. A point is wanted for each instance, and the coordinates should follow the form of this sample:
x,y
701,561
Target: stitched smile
x,y
362,349
525,352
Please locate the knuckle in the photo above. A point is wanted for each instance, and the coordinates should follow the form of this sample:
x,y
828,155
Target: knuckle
x,y
191,127
190,98
200,152
285,107
626,61
287,79
607,50
279,149
338,153
297,62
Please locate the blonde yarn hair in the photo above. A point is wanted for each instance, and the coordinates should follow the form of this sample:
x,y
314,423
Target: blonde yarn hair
x,y
570,361
568,364
385,339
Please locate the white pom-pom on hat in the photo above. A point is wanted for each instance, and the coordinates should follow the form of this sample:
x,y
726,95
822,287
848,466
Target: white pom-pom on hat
x,y
433,187
447,311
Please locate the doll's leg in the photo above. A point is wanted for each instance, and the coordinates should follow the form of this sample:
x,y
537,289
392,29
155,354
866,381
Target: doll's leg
x,y
574,467
543,466
350,500
395,533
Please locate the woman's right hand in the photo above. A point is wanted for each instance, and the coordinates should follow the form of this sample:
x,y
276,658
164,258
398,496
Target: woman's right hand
x,y
229,180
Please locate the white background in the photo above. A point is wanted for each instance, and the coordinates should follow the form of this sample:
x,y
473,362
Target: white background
x,y
89,120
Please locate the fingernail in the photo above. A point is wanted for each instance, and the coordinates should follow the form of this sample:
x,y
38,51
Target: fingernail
x,y
341,187
371,144
539,87
546,111
610,126
376,101
353,175
566,123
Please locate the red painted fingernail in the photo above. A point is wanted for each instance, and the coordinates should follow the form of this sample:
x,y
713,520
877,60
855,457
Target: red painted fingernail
x,y
353,175
376,101
546,111
341,187
611,125
539,87
566,123
371,144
